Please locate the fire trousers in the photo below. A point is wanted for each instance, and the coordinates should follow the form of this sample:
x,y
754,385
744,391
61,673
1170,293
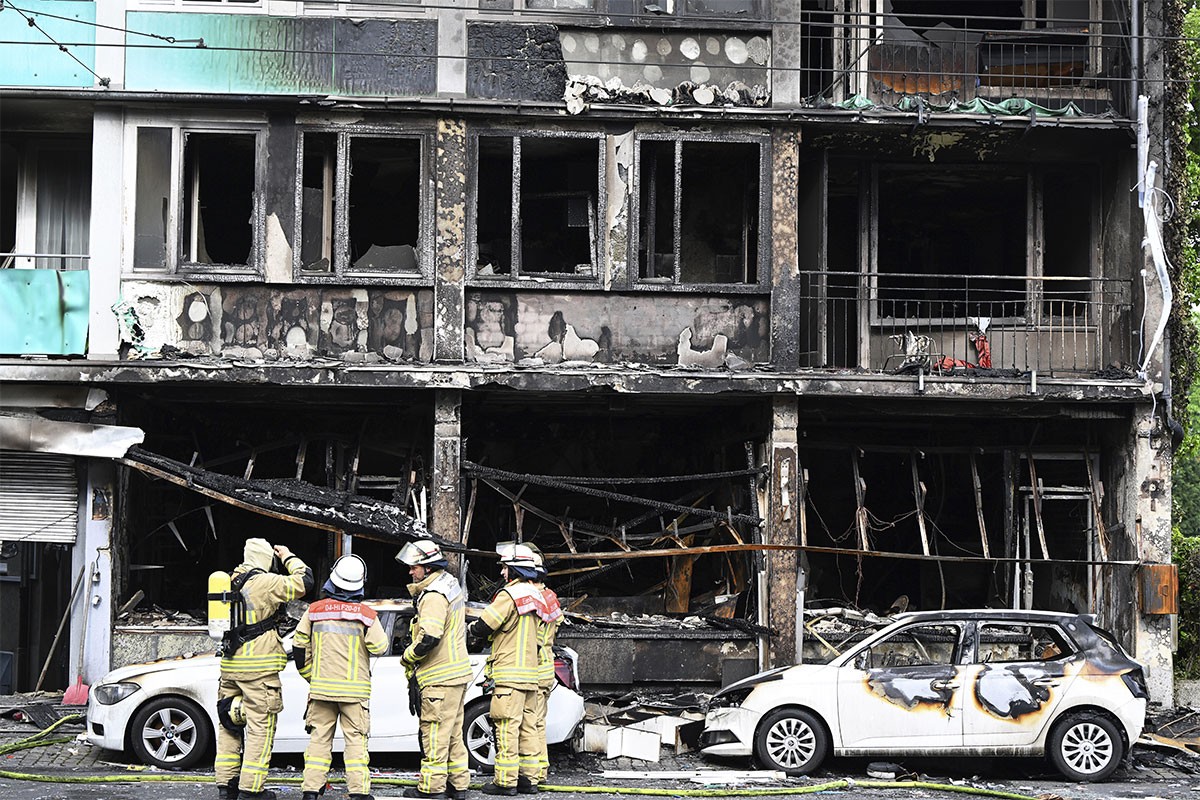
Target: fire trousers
x,y
514,719
443,753
320,720
262,700
543,755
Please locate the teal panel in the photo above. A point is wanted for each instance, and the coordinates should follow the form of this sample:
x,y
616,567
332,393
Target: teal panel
x,y
44,311
40,63
259,54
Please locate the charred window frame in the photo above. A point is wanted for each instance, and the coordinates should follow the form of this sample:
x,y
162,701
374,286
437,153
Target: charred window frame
x,y
700,212
363,205
1021,642
197,199
538,208
1020,246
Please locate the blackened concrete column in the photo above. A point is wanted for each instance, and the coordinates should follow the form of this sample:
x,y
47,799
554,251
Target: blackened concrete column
x,y
450,240
782,515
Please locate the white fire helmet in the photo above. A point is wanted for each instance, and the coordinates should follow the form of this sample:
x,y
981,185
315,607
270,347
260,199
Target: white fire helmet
x,y
349,573
420,552
519,556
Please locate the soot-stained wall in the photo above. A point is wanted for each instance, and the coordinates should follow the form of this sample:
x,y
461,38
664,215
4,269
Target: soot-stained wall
x,y
690,331
508,61
264,322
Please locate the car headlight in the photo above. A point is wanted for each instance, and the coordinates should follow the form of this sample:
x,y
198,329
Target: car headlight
x,y
108,693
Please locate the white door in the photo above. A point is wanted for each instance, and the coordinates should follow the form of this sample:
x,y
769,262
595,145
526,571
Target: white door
x,y
904,691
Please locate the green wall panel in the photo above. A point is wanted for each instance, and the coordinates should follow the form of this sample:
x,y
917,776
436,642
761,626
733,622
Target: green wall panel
x,y
254,53
40,63
44,311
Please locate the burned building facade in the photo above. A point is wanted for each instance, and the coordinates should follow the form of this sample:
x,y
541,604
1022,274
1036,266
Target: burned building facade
x,y
734,308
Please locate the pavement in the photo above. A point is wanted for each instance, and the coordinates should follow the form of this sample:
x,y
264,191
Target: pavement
x,y
49,771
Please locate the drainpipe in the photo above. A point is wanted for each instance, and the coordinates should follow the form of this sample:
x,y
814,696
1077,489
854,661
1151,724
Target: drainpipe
x,y
1154,242
1135,55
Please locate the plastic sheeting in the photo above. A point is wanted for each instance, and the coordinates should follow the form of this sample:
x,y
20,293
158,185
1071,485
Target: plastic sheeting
x,y
44,311
1012,107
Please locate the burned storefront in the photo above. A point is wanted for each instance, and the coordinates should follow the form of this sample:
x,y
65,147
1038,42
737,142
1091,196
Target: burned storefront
x,y
759,321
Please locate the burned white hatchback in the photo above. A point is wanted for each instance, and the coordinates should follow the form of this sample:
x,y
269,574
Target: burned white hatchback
x,y
986,683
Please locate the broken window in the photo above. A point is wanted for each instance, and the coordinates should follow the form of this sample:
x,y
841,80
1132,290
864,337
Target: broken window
x,y
538,206
45,211
218,198
923,645
206,219
699,211
1006,644
361,204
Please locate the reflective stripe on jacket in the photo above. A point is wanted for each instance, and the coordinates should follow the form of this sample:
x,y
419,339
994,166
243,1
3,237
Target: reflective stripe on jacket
x,y
340,637
441,613
514,622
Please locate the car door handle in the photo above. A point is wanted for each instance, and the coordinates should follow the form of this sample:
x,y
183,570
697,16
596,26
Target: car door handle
x,y
942,685
1048,682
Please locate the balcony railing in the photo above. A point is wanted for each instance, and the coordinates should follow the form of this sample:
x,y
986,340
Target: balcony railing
x,y
980,324
1064,64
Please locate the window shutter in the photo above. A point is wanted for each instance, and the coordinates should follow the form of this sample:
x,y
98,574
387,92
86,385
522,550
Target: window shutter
x,y
39,495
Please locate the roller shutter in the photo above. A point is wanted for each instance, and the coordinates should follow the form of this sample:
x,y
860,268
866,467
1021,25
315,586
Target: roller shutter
x,y
39,498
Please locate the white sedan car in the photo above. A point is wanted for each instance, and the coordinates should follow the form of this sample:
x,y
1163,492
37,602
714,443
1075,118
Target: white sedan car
x,y
975,683
165,712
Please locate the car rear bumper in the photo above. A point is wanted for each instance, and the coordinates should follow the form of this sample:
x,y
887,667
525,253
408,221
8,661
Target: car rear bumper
x,y
729,732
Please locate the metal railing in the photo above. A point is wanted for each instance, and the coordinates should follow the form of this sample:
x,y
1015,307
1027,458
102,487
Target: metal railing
x,y
1052,61
939,323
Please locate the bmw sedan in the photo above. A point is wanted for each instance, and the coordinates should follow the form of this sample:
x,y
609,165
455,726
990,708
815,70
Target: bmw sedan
x,y
981,683
165,712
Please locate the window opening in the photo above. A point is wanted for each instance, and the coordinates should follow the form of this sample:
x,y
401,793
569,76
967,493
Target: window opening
x,y
1006,644
927,268
494,222
384,204
152,205
316,202
916,646
554,183
1067,250
559,191
9,159
64,205
699,211
218,198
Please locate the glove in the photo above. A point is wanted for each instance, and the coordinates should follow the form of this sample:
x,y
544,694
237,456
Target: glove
x,y
488,685
410,665
414,697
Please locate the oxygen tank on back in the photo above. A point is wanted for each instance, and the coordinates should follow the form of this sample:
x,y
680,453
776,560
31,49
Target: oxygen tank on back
x,y
220,609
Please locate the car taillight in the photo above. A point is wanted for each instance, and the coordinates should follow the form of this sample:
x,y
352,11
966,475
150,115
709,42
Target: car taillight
x,y
562,671
1135,681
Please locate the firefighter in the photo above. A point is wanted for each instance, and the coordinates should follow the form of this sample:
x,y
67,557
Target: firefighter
x,y
251,659
334,642
512,623
549,618
436,658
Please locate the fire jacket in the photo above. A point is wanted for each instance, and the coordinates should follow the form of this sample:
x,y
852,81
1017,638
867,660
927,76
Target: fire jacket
x,y
549,618
439,633
338,638
513,620
262,595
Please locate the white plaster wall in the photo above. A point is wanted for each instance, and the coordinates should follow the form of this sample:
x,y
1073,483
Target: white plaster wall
x,y
107,223
91,612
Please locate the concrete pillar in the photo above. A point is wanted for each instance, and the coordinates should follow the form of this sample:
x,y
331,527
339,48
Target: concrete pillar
x,y
782,518
1148,488
92,612
786,47
446,506
785,265
106,225
450,243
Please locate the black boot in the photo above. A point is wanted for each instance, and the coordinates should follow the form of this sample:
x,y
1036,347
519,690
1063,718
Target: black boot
x,y
456,794
494,788
526,786
413,791
228,791
310,796
372,797
264,794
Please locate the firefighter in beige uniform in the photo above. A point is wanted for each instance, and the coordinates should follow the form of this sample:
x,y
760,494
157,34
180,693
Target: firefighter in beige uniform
x,y
437,658
549,618
512,622
251,669
333,646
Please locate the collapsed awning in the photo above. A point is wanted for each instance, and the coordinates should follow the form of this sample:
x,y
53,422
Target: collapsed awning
x,y
292,501
30,433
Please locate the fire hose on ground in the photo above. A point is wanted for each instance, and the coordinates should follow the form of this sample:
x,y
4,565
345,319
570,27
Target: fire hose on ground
x,y
40,739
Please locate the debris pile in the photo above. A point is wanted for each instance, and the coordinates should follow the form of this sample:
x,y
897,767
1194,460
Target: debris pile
x,y
639,726
583,90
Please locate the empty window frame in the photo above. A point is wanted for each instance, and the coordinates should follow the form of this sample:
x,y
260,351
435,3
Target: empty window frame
x,y
699,212
1022,643
951,243
196,199
360,204
45,202
538,206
